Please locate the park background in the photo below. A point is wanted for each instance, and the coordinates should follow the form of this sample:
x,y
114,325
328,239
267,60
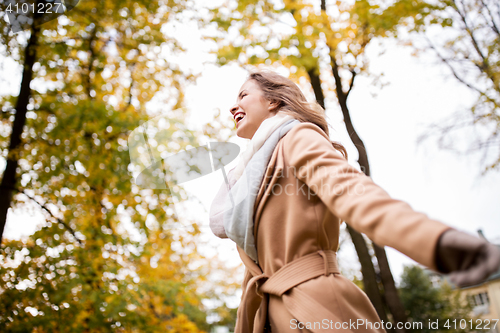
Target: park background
x,y
154,270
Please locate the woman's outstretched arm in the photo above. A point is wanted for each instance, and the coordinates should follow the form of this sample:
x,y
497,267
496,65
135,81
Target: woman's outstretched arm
x,y
356,199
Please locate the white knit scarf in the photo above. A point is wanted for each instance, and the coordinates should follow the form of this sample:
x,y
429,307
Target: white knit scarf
x,y
237,214
265,129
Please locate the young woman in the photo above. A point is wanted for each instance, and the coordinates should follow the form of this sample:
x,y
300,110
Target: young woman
x,y
283,206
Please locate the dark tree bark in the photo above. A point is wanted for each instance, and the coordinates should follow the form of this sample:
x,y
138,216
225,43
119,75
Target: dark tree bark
x,y
316,85
371,287
390,294
370,284
9,179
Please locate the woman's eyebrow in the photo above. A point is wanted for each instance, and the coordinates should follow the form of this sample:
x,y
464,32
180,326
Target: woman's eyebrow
x,y
241,93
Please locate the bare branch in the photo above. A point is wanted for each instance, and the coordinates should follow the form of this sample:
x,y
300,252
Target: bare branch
x,y
45,208
351,84
485,65
492,18
457,76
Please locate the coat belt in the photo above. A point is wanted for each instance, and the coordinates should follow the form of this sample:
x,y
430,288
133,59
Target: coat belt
x,y
303,307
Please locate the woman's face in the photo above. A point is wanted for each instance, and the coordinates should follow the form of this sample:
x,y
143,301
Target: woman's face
x,y
251,109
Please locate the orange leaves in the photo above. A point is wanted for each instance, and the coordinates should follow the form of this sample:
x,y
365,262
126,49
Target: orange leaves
x,y
97,71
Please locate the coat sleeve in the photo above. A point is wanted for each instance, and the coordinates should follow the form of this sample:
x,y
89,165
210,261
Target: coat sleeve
x,y
356,199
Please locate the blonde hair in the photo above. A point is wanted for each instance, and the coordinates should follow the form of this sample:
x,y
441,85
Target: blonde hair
x,y
291,100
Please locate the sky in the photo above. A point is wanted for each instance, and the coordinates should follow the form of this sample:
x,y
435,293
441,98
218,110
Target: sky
x,y
445,186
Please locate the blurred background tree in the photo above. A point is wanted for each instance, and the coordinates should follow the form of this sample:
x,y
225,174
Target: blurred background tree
x,y
110,257
427,301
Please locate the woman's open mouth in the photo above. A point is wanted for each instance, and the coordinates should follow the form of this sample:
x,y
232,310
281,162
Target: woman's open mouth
x,y
239,117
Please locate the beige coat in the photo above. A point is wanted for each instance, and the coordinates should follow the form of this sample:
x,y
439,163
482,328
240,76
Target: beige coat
x,y
308,189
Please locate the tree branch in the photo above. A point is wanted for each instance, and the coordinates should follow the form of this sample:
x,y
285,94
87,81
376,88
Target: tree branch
x,y
66,226
494,25
316,85
485,65
91,60
129,102
351,84
457,76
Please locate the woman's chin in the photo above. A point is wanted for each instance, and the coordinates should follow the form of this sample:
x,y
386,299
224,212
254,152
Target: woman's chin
x,y
243,136
241,132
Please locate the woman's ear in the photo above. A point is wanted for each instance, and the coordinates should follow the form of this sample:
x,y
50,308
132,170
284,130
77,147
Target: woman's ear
x,y
273,105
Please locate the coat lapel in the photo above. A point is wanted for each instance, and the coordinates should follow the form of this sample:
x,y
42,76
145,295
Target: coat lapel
x,y
271,176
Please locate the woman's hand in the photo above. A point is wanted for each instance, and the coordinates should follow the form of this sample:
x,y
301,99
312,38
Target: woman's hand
x,y
468,259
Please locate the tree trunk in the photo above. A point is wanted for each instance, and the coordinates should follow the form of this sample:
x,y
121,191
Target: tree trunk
x,y
370,284
316,85
390,292
391,295
9,180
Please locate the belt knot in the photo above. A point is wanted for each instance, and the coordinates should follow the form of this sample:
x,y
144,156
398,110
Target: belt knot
x,y
259,280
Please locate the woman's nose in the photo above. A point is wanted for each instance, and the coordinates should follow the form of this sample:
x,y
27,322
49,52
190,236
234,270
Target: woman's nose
x,y
233,109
